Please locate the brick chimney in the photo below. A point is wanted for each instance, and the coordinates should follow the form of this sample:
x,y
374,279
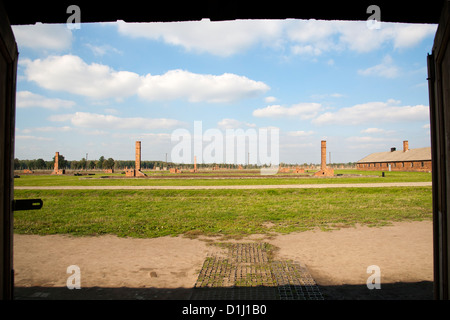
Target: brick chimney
x,y
323,155
138,156
56,168
405,146
324,171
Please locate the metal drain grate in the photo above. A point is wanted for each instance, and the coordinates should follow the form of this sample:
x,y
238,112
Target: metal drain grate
x,y
248,272
294,282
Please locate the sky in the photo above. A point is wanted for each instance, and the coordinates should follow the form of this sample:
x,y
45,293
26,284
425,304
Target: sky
x,y
98,89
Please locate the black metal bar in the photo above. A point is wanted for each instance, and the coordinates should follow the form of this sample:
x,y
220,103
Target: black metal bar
x,y
27,204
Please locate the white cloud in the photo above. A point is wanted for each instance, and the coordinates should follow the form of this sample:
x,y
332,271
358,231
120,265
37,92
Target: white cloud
x,y
111,111
180,84
101,50
228,123
47,129
326,96
306,50
225,38
301,110
156,135
300,133
22,137
270,99
43,36
374,112
409,35
373,130
385,69
311,36
368,139
222,38
71,74
27,99
101,121
304,37
316,36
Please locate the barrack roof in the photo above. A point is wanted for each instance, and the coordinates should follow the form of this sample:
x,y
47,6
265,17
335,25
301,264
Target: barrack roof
x,y
419,154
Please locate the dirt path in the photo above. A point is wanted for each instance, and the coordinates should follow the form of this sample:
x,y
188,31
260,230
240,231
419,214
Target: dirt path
x,y
284,186
167,268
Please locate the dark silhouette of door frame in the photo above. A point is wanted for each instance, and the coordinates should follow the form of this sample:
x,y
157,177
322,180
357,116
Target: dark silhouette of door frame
x,y
439,89
8,71
439,94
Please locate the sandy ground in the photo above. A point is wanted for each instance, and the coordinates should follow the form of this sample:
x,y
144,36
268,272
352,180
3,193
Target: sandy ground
x,y
167,268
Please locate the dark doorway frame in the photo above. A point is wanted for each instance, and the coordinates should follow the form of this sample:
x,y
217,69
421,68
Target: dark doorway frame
x,y
15,13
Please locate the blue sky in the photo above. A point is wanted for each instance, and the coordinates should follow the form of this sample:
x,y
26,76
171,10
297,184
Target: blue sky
x,y
100,88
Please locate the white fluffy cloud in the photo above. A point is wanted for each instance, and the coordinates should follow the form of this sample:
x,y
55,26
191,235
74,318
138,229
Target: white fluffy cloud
x,y
228,123
70,73
300,133
27,99
222,38
47,129
314,37
369,139
373,130
311,37
270,99
101,121
372,112
304,37
43,36
180,84
33,138
385,69
303,111
225,38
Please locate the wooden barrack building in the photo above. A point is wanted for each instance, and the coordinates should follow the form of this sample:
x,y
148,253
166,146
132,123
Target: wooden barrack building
x,y
398,160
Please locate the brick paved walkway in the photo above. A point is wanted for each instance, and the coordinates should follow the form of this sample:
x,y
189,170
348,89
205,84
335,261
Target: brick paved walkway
x,y
248,272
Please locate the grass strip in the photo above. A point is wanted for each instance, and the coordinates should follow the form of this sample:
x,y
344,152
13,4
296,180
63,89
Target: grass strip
x,y
233,213
119,180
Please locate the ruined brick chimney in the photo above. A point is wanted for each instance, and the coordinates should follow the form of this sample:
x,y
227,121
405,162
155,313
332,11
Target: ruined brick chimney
x,y
323,155
405,146
136,172
56,168
138,156
324,171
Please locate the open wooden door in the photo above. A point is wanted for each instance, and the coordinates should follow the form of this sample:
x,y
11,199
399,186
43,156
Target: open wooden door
x,y
8,68
439,92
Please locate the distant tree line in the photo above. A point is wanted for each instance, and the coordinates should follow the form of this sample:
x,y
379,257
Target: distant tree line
x,y
101,163
110,163
41,164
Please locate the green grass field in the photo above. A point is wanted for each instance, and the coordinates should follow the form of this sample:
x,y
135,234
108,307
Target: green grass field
x,y
348,176
230,213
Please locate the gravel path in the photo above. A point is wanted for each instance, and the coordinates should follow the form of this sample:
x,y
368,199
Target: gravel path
x,y
284,186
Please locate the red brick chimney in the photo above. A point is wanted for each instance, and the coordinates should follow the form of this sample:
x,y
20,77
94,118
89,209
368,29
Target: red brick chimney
x,y
138,156
56,168
405,146
323,155
324,171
